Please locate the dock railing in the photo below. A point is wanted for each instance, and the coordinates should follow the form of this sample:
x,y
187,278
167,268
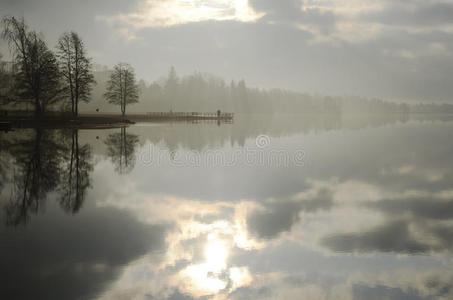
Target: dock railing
x,y
191,115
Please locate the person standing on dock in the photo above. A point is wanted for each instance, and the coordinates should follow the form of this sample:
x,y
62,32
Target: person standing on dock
x,y
218,113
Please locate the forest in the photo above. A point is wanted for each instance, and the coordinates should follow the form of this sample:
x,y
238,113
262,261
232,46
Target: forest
x,y
204,92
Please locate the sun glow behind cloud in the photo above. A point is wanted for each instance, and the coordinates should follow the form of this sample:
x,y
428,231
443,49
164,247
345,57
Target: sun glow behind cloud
x,y
344,7
166,13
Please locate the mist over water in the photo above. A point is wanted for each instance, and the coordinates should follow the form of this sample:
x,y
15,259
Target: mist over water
x,y
269,207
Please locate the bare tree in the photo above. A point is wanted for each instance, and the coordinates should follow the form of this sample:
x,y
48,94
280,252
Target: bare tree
x,y
122,88
76,69
37,79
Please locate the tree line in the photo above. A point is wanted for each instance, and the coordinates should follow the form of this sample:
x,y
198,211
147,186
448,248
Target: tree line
x,y
201,92
205,92
41,78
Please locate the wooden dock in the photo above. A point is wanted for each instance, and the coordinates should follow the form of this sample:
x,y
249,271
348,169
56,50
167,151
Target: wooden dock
x,y
181,116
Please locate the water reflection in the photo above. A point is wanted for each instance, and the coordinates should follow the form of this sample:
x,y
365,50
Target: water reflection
x,y
75,175
368,216
43,161
38,160
57,257
4,161
214,274
121,150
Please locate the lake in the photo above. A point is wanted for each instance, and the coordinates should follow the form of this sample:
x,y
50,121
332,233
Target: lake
x,y
268,207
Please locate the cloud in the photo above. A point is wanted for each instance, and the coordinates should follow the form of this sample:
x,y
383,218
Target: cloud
x,y
279,216
361,291
414,13
274,220
444,234
167,13
401,284
358,21
419,207
279,10
345,7
393,237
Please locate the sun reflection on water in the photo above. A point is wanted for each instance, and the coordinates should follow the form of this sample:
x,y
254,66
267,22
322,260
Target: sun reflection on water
x,y
200,247
214,275
216,254
210,276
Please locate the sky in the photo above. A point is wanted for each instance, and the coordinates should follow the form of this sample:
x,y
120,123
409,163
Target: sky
x,y
395,50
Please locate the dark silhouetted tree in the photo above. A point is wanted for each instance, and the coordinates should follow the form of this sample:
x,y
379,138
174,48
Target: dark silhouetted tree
x,y
76,68
4,81
76,170
121,150
37,79
122,88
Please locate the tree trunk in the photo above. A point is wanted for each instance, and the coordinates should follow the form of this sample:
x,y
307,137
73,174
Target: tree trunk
x,y
38,109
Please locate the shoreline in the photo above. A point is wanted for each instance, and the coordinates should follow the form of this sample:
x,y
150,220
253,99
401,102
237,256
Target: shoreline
x,y
99,121
82,122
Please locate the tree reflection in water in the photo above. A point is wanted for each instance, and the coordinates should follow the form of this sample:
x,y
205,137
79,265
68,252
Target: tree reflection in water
x,y
75,176
47,161
4,161
121,150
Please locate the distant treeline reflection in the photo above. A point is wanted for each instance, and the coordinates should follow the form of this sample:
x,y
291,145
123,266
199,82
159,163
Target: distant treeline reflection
x,y
39,162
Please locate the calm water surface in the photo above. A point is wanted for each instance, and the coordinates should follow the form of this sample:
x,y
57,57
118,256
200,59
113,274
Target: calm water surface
x,y
286,207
